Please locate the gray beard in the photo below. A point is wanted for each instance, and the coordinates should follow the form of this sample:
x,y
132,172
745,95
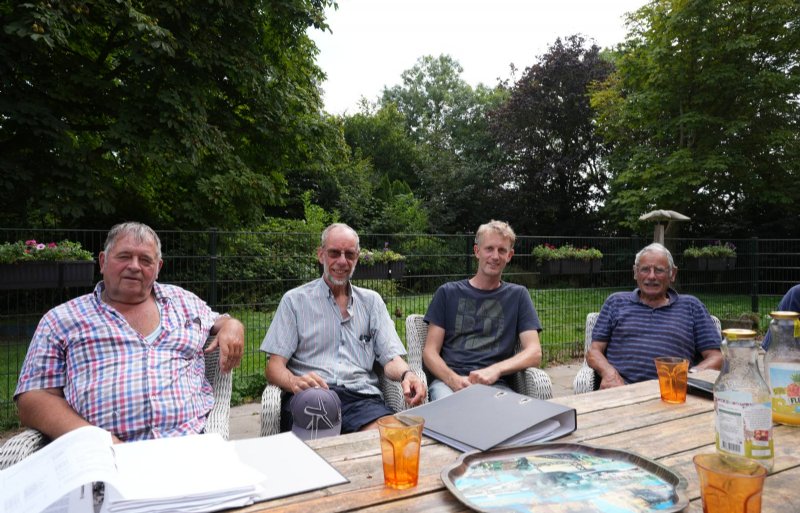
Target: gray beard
x,y
327,271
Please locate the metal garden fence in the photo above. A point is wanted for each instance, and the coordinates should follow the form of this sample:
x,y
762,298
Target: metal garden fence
x,y
246,273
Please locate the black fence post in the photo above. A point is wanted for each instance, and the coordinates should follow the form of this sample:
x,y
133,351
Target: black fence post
x,y
212,267
754,276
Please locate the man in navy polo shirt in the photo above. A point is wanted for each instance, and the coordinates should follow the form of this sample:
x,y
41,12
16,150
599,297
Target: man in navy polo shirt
x,y
635,327
789,303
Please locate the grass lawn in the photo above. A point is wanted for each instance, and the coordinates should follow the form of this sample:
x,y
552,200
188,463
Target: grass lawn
x,y
562,313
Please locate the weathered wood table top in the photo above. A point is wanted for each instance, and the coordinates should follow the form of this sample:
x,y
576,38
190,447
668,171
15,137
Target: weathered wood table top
x,y
631,418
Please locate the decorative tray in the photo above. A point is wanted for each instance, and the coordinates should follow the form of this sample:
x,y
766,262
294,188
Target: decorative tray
x,y
564,478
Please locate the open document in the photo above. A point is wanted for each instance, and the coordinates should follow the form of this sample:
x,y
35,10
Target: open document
x,y
199,473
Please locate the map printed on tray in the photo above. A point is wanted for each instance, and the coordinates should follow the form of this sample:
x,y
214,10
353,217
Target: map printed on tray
x,y
564,478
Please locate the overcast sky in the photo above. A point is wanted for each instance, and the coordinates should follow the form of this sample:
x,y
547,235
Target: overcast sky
x,y
374,41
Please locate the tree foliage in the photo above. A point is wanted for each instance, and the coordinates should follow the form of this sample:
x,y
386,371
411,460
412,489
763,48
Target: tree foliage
x,y
379,135
553,174
447,118
187,114
703,115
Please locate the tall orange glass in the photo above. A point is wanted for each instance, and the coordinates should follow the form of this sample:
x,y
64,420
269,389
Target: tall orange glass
x,y
725,488
673,377
401,437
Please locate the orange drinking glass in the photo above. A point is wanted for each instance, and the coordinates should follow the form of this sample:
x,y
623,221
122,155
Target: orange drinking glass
x,y
673,375
401,437
728,488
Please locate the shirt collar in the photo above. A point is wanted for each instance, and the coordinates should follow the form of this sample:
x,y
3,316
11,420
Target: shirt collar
x,y
325,290
158,291
633,297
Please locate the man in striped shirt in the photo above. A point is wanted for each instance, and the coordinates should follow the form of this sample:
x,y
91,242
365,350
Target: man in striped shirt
x,y
128,357
790,302
635,327
329,333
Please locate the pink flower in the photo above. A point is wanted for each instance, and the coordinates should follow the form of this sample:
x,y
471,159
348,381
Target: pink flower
x,y
40,247
30,242
51,244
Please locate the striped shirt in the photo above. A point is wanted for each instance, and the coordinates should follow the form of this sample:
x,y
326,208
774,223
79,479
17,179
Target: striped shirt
x,y
790,302
114,377
309,331
637,333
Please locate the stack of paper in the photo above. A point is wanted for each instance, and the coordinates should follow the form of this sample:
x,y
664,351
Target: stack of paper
x,y
192,474
189,473
198,473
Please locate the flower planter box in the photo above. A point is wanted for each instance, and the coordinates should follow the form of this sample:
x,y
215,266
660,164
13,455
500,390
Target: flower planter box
x,y
696,264
575,266
716,264
379,271
570,266
46,275
550,267
710,263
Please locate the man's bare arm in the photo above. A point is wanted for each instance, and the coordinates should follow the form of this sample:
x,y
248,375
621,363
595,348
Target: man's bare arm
x,y
596,358
529,356
278,374
431,356
47,410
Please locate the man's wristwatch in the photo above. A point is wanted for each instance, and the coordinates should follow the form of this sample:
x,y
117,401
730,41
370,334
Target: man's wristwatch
x,y
403,375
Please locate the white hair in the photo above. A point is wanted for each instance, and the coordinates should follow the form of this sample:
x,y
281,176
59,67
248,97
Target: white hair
x,y
655,247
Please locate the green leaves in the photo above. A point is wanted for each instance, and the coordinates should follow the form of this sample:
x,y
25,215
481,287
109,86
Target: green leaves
x,y
696,114
32,251
184,114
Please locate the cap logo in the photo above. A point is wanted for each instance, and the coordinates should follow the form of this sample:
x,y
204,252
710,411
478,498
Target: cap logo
x,y
316,415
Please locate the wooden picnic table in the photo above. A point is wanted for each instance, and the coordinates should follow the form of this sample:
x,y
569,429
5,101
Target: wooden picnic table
x,y
631,418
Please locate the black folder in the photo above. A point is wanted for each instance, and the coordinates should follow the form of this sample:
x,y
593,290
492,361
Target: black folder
x,y
481,417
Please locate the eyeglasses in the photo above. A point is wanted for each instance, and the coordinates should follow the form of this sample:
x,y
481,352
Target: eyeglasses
x,y
646,270
334,254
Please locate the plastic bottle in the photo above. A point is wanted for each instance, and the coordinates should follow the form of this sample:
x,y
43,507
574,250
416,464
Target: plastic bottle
x,y
782,366
742,403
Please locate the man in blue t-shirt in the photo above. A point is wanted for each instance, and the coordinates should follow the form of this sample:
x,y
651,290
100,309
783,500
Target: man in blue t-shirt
x,y
634,328
474,324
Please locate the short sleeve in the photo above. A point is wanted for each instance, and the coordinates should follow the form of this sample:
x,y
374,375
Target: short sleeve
x,y
436,313
282,335
387,344
603,327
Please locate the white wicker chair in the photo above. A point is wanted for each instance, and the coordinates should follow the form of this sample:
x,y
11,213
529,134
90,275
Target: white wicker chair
x,y
532,381
585,380
392,395
27,442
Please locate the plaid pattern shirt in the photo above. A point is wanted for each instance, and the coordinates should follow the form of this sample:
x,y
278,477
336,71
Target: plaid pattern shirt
x,y
114,377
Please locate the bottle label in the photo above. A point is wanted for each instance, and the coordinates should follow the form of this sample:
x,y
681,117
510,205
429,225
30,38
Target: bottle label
x,y
744,428
784,383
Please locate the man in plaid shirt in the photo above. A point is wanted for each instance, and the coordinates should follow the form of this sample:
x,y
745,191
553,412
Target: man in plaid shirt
x,y
128,357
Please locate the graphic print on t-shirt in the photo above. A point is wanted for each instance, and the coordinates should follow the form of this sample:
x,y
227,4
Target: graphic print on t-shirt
x,y
480,325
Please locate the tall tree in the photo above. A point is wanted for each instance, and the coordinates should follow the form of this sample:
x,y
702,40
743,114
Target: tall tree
x,y
184,114
448,120
379,135
703,115
554,175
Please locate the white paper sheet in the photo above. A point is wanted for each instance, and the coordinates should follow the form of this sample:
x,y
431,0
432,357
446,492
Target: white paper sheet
x,y
77,458
289,465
